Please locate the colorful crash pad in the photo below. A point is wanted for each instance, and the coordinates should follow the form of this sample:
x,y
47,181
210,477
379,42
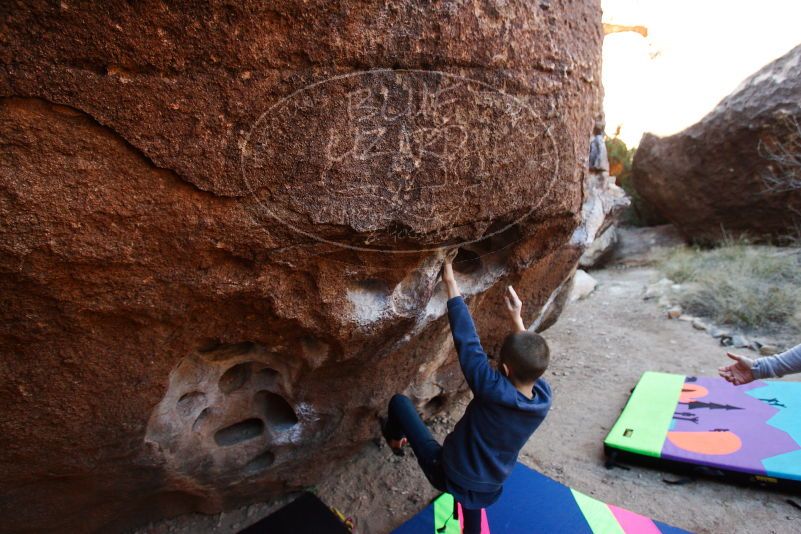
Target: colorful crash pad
x,y
750,433
534,503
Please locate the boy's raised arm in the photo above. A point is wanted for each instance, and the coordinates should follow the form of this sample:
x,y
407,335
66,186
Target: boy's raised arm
x,y
514,307
448,278
481,378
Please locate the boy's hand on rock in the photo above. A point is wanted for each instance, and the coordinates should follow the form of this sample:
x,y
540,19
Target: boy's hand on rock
x,y
513,303
738,373
447,270
514,307
447,275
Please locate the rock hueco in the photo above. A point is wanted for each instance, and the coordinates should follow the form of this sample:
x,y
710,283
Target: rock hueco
x,y
721,175
222,228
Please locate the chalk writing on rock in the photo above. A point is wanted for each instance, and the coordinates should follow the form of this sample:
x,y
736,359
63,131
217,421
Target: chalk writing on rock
x,y
402,157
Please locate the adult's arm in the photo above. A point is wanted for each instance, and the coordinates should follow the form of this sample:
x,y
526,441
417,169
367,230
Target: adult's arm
x,y
786,363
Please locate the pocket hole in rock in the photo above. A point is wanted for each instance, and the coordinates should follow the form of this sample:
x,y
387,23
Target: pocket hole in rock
x,y
466,262
259,463
235,377
201,419
189,402
278,412
239,432
500,242
372,285
266,377
434,405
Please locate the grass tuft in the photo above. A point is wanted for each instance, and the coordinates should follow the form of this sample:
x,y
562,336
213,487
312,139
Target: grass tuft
x,y
739,284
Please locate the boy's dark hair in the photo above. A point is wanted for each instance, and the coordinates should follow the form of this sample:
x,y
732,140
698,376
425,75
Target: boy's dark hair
x,y
526,354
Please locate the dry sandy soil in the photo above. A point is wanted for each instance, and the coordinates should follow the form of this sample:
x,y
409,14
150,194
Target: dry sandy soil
x,y
600,347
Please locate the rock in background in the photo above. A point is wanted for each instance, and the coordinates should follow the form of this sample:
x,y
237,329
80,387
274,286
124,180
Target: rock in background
x,y
717,176
644,246
601,249
222,228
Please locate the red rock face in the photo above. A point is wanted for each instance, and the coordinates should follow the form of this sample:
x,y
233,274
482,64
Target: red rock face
x,y
222,231
717,177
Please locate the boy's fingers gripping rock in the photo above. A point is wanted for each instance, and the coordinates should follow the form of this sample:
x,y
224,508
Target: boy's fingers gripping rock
x,y
447,264
512,300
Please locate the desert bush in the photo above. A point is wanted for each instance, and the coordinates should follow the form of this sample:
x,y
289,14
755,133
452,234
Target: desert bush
x,y
739,284
620,157
784,154
639,213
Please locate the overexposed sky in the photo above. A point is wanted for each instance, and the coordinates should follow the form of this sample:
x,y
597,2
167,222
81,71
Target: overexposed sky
x,y
696,53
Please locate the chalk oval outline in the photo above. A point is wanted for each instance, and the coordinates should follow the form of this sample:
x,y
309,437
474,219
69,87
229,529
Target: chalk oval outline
x,y
359,248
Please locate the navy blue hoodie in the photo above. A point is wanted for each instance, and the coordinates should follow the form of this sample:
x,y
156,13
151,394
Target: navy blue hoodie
x,y
482,449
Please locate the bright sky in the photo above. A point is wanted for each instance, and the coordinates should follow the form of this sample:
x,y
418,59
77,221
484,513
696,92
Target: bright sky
x,y
696,53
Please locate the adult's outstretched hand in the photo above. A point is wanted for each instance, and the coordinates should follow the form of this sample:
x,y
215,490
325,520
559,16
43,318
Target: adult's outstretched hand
x,y
739,372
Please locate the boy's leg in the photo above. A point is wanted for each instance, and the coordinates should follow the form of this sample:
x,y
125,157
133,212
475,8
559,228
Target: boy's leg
x,y
472,521
403,421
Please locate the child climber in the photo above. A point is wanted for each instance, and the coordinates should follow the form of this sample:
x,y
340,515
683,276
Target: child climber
x,y
507,407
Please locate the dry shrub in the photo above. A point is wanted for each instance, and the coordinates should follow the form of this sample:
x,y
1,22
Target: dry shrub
x,y
739,284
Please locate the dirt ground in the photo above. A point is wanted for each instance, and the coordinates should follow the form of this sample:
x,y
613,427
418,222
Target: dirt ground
x,y
600,347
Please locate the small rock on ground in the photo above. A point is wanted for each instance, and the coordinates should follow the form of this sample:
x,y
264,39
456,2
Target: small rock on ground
x,y
583,285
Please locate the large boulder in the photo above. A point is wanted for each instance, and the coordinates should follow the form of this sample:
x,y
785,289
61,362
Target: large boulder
x,y
720,176
223,227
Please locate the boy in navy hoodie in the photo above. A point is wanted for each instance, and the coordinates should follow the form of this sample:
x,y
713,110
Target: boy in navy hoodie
x,y
507,407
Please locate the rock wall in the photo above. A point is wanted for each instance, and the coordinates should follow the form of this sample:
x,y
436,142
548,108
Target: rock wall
x,y
223,225
719,176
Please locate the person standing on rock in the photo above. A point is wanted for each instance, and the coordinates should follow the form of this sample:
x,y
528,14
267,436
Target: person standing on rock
x,y
598,160
746,370
507,407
